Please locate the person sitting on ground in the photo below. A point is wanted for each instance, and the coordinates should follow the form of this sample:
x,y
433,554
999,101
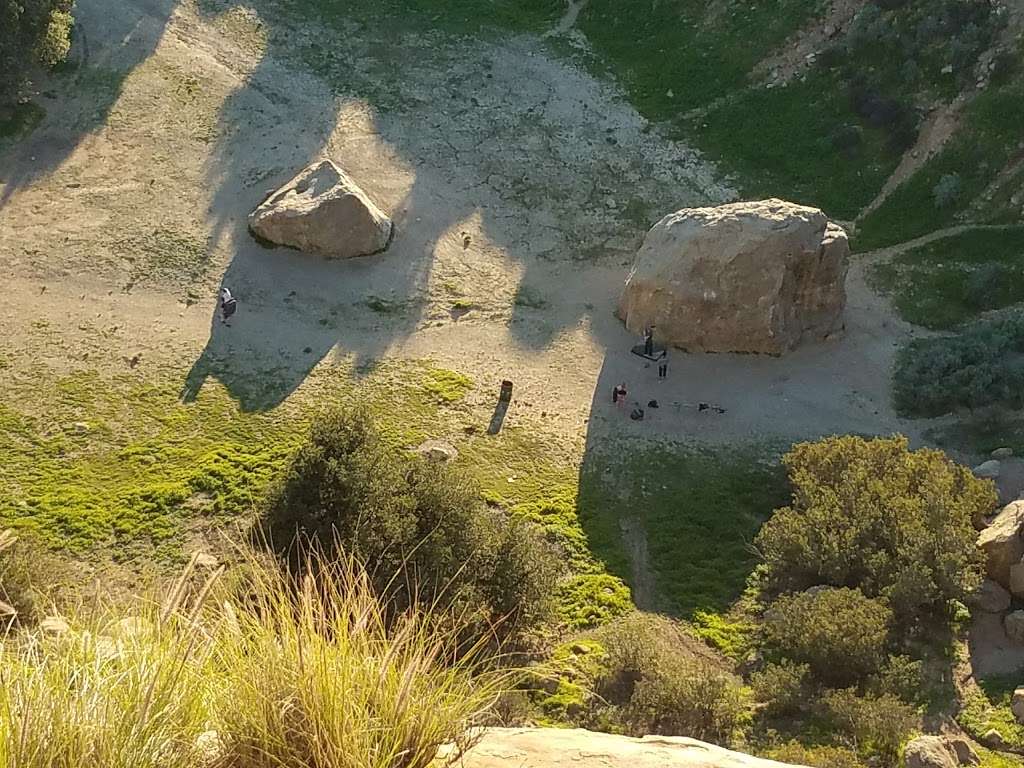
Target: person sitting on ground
x,y
228,305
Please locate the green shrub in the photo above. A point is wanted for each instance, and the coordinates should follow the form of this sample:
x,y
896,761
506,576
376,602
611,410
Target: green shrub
x,y
31,32
420,528
795,753
781,687
900,677
838,632
978,368
947,190
657,679
876,726
871,513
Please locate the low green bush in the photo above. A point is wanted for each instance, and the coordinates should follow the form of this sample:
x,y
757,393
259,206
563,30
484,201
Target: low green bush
x,y
819,756
657,679
781,687
420,528
876,726
978,368
838,632
895,523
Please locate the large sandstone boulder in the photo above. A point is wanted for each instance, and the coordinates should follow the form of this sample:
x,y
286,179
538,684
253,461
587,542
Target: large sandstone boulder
x,y
744,277
322,211
1002,543
559,747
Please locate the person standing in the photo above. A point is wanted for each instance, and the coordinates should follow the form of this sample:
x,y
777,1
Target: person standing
x,y
228,305
663,365
649,340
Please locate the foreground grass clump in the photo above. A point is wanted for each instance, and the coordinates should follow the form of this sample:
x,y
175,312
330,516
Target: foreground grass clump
x,y
944,283
420,527
310,672
975,369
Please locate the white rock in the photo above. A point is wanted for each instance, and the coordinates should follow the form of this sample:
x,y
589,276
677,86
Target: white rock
x,y
561,747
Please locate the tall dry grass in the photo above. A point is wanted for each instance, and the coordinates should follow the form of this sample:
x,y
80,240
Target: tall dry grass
x,y
282,673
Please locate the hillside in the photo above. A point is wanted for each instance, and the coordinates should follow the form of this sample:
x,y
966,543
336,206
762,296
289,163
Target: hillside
x,y
523,149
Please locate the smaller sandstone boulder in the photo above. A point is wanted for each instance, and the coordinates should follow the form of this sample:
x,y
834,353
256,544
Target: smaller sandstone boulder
x,y
1002,544
1017,704
939,752
322,211
929,752
988,470
964,751
990,598
1002,453
1014,624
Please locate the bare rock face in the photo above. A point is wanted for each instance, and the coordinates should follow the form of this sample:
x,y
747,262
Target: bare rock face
x,y
939,752
989,597
744,277
1002,543
558,747
322,211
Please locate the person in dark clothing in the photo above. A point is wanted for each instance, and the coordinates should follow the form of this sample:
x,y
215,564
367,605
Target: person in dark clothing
x,y
649,340
619,394
228,305
663,365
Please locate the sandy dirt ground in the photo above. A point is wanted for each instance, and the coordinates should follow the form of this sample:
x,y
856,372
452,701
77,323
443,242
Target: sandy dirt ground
x,y
520,188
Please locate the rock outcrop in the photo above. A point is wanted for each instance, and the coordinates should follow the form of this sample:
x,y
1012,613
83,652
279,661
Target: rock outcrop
x,y
1002,543
744,277
558,747
1013,623
939,752
989,597
322,211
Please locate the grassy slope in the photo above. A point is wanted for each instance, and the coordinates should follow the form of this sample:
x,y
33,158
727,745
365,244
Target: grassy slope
x,y
954,279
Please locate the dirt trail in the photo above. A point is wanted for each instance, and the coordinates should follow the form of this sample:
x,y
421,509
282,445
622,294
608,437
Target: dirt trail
x,y
797,53
937,129
568,21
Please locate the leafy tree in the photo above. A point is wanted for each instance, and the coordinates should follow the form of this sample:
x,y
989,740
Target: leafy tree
x,y
32,32
419,527
875,516
838,632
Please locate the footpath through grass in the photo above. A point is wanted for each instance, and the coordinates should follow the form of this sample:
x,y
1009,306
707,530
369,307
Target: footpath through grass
x,y
700,510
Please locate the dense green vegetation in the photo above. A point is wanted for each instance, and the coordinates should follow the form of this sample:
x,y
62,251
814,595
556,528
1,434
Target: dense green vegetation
x,y
948,281
419,528
32,33
976,369
841,530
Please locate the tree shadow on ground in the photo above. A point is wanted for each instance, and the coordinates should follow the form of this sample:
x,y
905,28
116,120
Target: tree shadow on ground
x,y
440,131
108,45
